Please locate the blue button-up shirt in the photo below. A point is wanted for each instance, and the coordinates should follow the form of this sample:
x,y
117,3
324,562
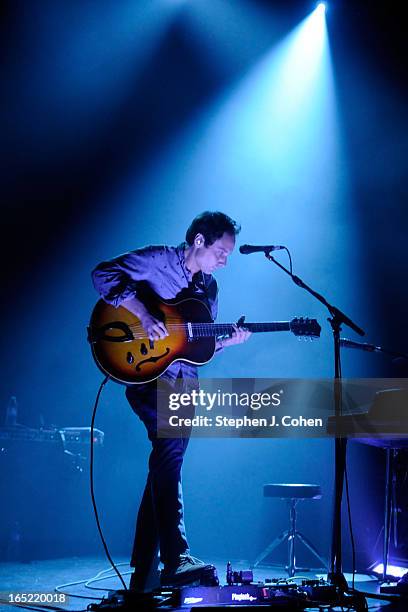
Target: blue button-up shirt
x,y
164,270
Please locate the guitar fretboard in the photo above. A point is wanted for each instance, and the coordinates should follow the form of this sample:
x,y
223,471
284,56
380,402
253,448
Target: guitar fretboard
x,y
223,329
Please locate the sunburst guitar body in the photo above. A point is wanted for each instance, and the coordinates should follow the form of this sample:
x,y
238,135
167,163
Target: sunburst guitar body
x,y
121,348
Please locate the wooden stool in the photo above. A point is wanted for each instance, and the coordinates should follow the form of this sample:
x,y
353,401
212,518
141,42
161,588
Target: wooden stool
x,y
292,493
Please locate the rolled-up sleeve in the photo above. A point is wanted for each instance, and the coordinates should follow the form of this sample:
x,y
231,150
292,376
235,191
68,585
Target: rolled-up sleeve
x,y
117,280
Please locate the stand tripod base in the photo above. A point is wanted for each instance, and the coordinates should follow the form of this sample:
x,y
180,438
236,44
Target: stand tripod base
x,y
290,537
293,493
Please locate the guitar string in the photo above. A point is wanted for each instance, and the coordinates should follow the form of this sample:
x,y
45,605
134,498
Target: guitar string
x,y
142,334
177,322
196,325
216,328
214,325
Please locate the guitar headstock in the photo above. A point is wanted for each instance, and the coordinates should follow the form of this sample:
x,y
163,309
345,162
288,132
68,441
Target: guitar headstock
x,y
306,328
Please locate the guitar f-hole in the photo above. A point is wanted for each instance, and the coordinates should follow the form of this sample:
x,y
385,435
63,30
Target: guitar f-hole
x,y
152,359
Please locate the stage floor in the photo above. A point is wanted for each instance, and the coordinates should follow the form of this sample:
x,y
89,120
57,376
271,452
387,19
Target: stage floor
x,y
87,579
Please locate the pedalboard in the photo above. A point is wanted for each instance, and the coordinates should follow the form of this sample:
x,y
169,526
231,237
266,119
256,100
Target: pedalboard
x,y
204,592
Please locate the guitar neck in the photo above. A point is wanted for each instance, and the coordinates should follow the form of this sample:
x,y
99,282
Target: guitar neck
x,y
224,329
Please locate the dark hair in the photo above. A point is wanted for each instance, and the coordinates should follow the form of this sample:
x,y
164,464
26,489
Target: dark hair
x,y
212,225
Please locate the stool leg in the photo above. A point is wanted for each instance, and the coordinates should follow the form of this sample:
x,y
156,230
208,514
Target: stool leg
x,y
281,538
310,546
291,539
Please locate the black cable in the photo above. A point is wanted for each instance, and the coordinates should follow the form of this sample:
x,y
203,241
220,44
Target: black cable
x,y
290,260
91,475
353,548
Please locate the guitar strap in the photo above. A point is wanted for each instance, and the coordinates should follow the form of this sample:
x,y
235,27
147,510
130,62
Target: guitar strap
x,y
197,287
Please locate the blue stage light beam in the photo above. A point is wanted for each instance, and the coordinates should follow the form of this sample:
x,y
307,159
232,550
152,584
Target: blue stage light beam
x,y
269,152
262,131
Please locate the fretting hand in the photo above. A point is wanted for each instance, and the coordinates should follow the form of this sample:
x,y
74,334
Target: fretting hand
x,y
239,335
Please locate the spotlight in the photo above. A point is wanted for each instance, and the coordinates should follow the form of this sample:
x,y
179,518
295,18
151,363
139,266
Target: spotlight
x,y
396,571
321,6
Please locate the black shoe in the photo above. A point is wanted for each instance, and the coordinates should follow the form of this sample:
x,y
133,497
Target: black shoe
x,y
187,570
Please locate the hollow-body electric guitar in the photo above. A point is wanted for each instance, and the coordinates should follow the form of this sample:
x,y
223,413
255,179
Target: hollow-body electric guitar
x,y
122,350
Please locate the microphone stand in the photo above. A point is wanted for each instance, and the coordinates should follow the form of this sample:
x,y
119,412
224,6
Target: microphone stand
x,y
337,319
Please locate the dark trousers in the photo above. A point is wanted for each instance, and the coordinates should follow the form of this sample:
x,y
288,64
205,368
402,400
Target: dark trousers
x,y
160,519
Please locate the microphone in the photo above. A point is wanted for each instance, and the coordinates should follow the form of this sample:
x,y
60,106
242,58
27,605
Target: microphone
x,y
247,249
362,346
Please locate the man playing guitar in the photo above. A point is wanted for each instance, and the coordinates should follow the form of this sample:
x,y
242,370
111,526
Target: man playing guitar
x,y
170,272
